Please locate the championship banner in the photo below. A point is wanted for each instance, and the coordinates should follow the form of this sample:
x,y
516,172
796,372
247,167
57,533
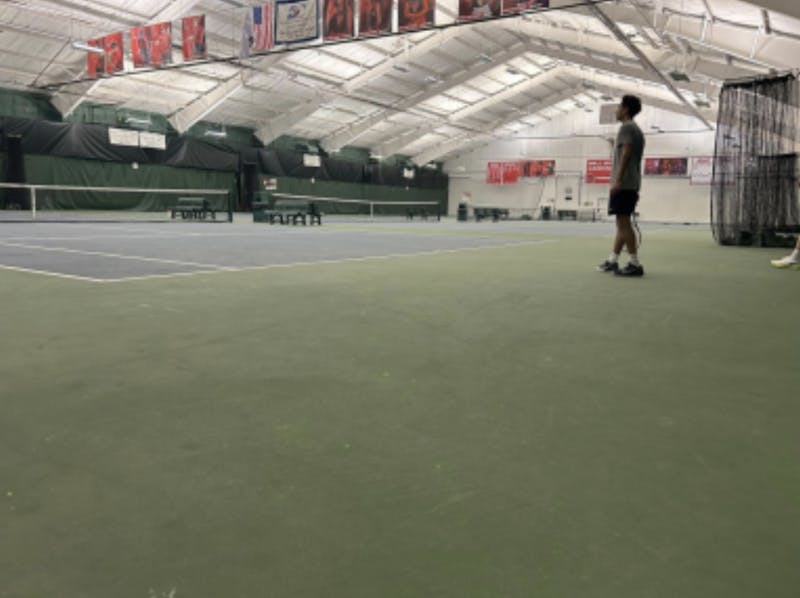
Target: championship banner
x,y
151,45
702,171
494,173
375,17
512,7
339,21
511,172
112,44
414,14
472,10
598,172
96,63
193,34
538,168
296,21
666,166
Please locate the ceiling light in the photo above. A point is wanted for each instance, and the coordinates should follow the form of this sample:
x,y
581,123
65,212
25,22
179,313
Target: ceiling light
x,y
83,46
401,68
679,76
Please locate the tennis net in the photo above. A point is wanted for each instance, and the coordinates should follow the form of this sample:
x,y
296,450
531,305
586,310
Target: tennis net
x,y
365,209
21,202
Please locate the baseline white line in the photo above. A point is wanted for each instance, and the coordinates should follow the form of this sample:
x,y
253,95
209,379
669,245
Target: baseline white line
x,y
48,273
110,255
322,262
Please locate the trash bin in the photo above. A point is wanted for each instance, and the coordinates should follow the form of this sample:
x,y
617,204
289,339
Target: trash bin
x,y
546,213
462,212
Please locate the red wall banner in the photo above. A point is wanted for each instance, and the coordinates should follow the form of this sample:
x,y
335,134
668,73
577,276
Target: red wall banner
x,y
111,61
471,10
511,7
375,17
666,166
494,173
598,172
537,168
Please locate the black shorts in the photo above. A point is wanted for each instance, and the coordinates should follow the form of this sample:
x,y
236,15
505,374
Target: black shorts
x,y
623,202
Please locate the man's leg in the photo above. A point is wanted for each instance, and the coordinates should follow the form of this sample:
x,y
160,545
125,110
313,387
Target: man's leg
x,y
790,261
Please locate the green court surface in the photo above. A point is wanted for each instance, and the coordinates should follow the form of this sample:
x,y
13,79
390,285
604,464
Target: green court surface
x,y
486,423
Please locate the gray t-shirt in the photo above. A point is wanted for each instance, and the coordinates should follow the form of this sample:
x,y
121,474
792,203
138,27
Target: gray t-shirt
x,y
629,134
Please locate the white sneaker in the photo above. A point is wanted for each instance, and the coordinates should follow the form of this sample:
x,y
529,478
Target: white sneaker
x,y
786,262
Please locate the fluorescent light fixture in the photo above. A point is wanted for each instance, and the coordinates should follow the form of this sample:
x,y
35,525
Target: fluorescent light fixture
x,y
679,76
135,120
401,68
215,133
312,161
83,46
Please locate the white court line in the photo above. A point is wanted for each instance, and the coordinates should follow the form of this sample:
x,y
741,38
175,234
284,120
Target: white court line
x,y
321,262
111,255
48,273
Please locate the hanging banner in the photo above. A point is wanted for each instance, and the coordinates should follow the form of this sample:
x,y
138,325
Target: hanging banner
x,y
193,34
96,63
375,17
702,171
339,22
513,7
666,166
257,30
538,168
414,14
151,45
598,172
471,10
296,21
511,172
494,173
112,44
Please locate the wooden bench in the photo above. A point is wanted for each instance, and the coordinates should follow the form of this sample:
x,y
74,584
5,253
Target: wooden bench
x,y
195,208
287,211
494,213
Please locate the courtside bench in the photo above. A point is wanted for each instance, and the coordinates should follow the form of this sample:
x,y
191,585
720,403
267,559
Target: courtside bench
x,y
196,208
494,213
287,211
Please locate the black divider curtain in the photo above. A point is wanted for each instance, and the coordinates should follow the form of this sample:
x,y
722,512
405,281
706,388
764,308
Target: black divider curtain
x,y
754,197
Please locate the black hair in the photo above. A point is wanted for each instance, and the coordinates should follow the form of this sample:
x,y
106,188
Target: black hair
x,y
633,104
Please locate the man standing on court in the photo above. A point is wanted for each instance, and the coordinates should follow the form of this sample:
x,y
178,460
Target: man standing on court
x,y
626,181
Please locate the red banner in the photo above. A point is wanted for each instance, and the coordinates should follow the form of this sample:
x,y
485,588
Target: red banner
x,y
96,63
511,172
339,21
471,10
494,173
375,17
512,7
414,14
193,34
666,166
111,60
537,168
598,172
151,45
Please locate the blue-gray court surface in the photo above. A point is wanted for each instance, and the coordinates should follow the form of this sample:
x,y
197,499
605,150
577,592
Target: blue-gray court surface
x,y
394,409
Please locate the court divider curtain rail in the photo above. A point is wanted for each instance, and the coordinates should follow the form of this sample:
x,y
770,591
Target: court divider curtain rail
x,y
754,198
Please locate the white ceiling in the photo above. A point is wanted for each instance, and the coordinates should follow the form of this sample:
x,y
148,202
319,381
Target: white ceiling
x,y
426,94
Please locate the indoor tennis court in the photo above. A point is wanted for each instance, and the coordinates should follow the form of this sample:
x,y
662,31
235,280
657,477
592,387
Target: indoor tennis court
x,y
301,299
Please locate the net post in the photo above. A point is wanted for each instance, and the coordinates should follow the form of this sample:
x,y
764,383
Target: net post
x,y
230,206
372,210
33,203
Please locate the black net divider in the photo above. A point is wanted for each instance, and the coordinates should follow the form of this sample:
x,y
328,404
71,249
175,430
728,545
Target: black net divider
x,y
754,191
69,203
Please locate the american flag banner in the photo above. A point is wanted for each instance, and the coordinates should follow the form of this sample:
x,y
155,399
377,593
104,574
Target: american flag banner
x,y
257,33
296,21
